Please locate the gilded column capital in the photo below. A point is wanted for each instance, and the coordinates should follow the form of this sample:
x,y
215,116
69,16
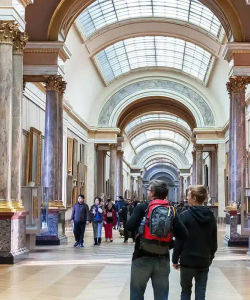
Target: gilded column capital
x,y
19,42
237,84
8,31
62,86
53,83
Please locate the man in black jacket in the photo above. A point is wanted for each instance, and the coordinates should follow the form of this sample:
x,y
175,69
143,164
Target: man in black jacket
x,y
196,254
79,218
147,265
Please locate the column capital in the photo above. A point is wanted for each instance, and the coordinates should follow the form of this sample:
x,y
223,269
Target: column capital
x,y
8,30
237,84
198,148
53,83
62,86
19,42
113,146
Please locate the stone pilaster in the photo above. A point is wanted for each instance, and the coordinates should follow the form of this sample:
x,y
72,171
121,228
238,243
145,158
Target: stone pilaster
x,y
237,153
194,167
113,171
8,31
199,165
19,43
213,177
119,187
101,171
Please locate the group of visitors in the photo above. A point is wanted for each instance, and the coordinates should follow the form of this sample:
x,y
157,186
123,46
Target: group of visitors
x,y
103,213
156,227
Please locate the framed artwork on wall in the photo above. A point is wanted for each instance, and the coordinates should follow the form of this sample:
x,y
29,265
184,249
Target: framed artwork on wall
x,y
34,158
75,159
69,155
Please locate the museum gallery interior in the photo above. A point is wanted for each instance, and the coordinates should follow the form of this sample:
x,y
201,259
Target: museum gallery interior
x,y
99,98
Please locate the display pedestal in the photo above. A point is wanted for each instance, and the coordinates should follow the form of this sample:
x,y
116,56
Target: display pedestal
x,y
56,229
233,238
13,237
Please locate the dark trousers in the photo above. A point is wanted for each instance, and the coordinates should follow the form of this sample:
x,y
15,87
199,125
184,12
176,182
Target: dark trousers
x,y
79,230
200,276
144,268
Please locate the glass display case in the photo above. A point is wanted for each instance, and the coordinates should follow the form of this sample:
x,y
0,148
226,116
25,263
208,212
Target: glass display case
x,y
245,212
36,204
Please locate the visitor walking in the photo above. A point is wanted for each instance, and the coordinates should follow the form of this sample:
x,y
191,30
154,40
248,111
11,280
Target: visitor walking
x,y
79,219
195,254
110,220
118,206
97,220
125,215
151,253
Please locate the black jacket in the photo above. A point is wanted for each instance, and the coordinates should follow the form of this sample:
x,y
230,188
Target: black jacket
x,y
199,249
135,221
80,212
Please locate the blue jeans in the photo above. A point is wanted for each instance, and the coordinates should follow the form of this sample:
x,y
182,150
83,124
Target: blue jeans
x,y
200,276
97,227
143,268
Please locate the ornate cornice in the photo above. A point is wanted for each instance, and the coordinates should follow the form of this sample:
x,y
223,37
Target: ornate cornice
x,y
8,31
237,84
53,83
19,42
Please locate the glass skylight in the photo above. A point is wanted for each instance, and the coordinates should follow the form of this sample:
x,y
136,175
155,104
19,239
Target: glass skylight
x,y
104,12
159,137
153,51
156,117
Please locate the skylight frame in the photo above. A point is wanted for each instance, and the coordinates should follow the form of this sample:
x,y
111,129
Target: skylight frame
x,y
154,117
154,51
102,13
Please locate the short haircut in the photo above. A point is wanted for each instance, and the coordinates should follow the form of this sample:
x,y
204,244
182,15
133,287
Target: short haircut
x,y
199,192
159,188
82,196
120,197
99,199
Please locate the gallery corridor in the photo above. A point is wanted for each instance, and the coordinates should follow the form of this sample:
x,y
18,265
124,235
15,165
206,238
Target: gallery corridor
x,y
103,273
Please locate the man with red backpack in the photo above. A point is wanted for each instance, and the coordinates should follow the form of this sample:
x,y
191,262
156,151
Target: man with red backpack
x,y
156,224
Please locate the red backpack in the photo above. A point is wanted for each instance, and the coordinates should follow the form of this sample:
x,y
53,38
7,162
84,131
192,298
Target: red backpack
x,y
157,227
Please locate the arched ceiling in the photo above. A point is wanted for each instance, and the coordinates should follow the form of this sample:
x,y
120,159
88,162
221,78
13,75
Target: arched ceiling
x,y
156,151
162,169
153,95
49,20
228,12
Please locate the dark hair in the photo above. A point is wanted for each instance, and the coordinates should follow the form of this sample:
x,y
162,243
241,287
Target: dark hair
x,y
120,197
199,192
98,198
159,188
82,196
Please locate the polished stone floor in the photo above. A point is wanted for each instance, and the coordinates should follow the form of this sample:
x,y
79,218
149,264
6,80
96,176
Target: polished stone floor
x,y
100,273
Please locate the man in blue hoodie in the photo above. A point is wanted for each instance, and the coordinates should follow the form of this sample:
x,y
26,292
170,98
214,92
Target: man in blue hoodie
x,y
195,255
79,218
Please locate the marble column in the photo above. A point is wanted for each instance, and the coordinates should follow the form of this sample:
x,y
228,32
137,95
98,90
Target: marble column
x,y
194,167
62,87
113,172
20,41
119,186
50,171
50,163
12,221
237,137
8,30
140,188
213,177
237,152
199,165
